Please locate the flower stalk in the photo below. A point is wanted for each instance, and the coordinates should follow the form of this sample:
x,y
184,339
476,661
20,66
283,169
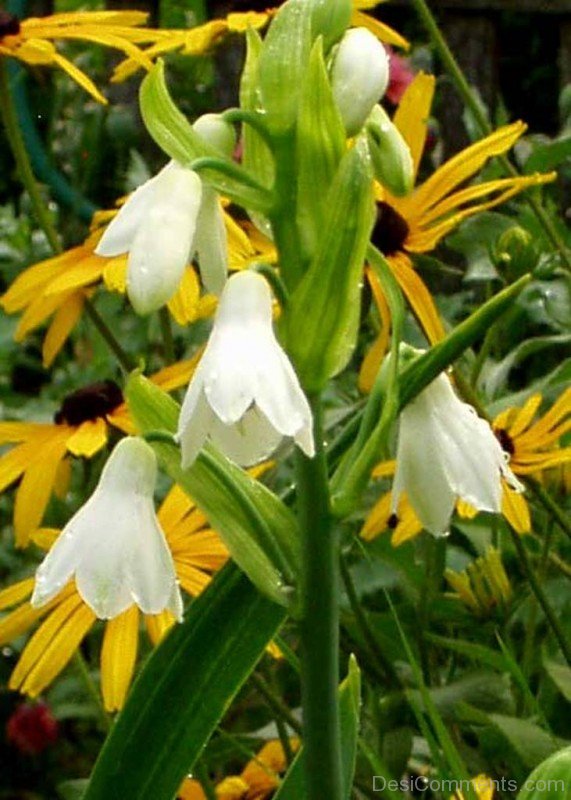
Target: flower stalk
x,y
320,622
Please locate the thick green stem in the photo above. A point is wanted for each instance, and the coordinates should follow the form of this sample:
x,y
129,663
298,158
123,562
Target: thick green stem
x,y
541,597
465,91
319,624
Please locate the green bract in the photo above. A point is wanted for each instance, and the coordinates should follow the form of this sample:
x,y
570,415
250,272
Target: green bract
x,y
320,326
392,160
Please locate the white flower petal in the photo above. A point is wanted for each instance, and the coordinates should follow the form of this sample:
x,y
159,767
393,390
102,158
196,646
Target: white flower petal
x,y
121,231
211,242
248,441
195,421
162,245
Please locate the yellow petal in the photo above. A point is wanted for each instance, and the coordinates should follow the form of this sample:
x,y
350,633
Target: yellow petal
x,y
36,51
465,164
91,17
174,507
89,438
158,625
203,549
192,580
24,617
200,40
412,115
16,593
184,303
385,469
20,431
177,375
516,510
52,646
118,656
532,463
376,353
33,280
44,537
191,790
419,298
36,488
88,271
543,427
241,22
524,415
115,274
377,518
63,478
61,326
13,464
37,312
120,418
382,31
79,77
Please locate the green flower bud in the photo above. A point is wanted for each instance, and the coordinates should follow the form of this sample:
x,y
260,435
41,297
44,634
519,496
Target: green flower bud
x,y
515,252
392,160
359,77
329,19
216,132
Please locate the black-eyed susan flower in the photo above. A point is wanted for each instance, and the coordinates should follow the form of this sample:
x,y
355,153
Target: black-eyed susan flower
x,y
417,222
197,552
258,780
40,457
202,39
32,40
56,289
532,446
483,585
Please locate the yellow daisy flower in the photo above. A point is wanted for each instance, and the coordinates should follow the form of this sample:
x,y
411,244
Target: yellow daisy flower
x,y
532,447
32,40
58,286
417,222
41,455
197,553
201,39
258,781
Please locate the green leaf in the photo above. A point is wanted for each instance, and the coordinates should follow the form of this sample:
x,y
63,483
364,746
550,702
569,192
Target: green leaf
x,y
293,785
256,155
175,135
423,370
322,318
550,780
73,790
283,64
560,674
548,156
475,652
184,690
483,690
258,529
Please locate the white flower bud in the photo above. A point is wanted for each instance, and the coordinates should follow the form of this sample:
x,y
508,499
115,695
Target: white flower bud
x,y
390,154
359,77
216,132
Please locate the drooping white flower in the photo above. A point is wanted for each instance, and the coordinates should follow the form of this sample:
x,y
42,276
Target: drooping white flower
x,y
359,77
114,546
164,223
446,452
244,395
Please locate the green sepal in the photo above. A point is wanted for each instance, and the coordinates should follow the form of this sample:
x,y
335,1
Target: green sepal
x,y
283,64
257,158
422,371
320,148
184,690
293,786
352,475
330,19
321,323
391,156
175,135
260,532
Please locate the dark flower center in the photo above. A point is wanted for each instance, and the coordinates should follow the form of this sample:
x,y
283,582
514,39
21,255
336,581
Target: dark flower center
x,y
91,402
392,522
505,440
9,24
390,230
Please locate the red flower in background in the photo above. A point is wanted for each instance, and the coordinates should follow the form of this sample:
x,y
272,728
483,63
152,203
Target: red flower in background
x,y
401,76
32,728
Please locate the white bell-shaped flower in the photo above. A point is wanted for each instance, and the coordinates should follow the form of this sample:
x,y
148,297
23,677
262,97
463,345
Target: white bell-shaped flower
x,y
114,545
166,222
244,395
446,452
